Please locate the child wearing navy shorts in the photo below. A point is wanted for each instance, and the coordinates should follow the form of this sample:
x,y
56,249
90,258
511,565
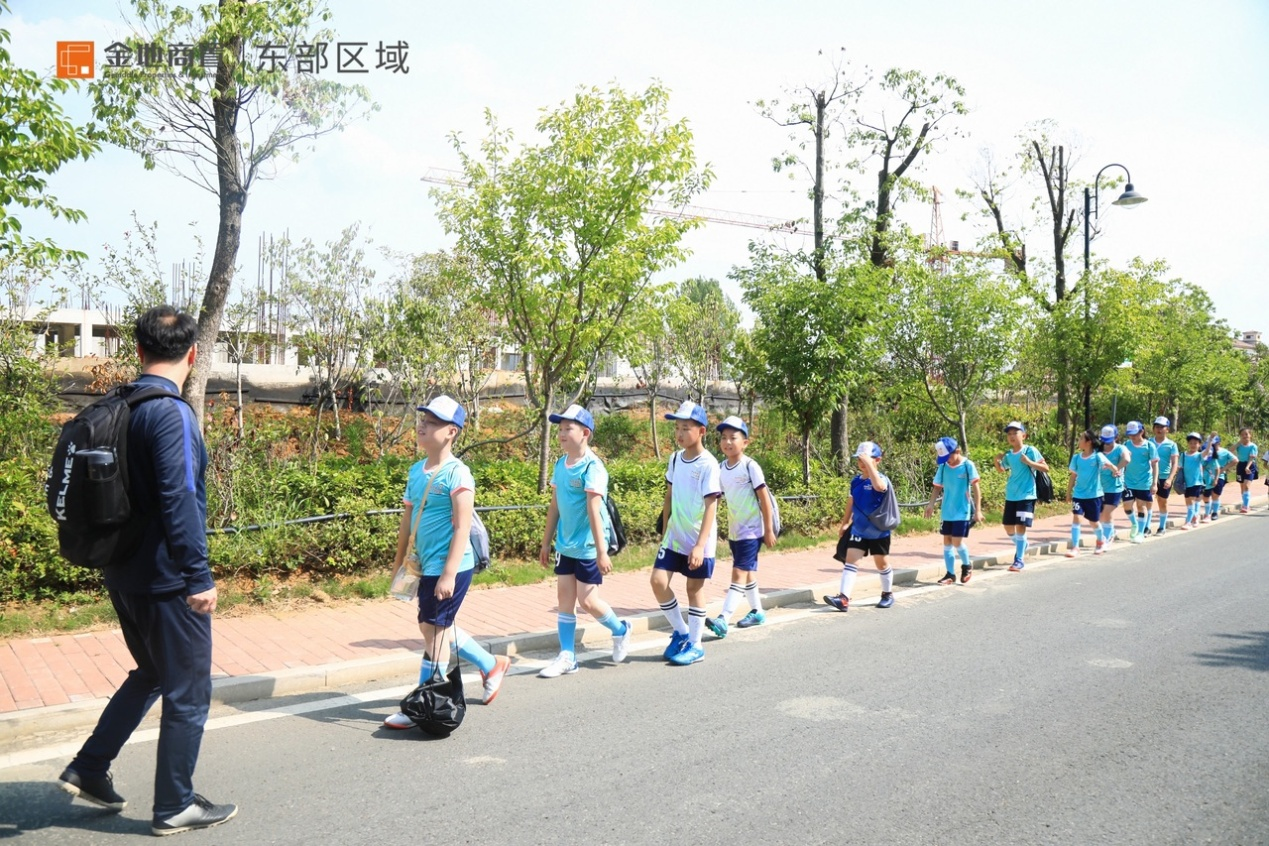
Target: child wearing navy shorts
x,y
956,484
1084,491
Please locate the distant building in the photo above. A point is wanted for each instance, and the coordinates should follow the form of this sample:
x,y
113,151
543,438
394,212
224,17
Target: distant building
x,y
1248,342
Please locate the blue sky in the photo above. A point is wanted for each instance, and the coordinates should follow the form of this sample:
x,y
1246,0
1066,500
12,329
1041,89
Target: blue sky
x,y
1173,89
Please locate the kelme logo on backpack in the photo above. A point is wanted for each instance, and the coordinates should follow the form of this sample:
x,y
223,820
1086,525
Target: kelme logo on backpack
x,y
87,487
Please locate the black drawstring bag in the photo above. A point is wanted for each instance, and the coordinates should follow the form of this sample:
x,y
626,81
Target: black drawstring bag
x,y
438,706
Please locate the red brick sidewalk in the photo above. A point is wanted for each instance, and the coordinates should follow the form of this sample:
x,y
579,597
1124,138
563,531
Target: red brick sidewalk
x,y
45,671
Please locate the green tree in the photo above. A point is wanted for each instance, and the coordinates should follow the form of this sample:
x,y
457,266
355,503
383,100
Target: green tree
x,y
649,354
562,233
956,334
222,118
702,324
816,338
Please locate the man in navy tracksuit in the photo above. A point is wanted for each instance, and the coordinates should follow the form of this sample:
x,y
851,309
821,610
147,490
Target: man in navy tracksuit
x,y
164,594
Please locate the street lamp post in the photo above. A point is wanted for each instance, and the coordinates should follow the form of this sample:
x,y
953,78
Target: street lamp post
x,y
1129,198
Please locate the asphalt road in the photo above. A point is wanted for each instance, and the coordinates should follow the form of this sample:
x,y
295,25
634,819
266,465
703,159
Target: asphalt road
x,y
1119,700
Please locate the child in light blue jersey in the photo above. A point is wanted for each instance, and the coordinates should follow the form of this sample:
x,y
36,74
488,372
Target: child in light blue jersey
x,y
1112,483
750,523
1022,462
576,521
1216,464
1084,490
1247,470
857,536
689,515
956,484
1169,464
439,498
1140,480
1191,475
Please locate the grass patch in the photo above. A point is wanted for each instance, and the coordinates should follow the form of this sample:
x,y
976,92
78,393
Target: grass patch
x,y
40,618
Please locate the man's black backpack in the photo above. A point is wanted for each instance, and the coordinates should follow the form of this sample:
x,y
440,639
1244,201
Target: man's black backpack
x,y
617,529
87,485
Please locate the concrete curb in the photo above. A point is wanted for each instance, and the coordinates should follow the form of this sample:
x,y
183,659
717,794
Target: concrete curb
x,y
402,668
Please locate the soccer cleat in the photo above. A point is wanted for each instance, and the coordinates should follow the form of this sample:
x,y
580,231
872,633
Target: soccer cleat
x,y
753,618
621,644
201,814
1215,514
493,681
841,602
886,601
100,790
1137,538
1161,532
1242,509
678,642
718,626
690,655
398,721
949,579
1100,549
967,573
564,664
1185,527
1017,565
1203,518
1071,552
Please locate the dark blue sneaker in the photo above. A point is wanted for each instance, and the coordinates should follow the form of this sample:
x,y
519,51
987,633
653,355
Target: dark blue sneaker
x,y
718,626
100,790
886,601
678,642
753,618
1017,565
690,655
841,602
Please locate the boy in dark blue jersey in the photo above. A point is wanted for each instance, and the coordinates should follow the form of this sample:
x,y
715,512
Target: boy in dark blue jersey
x,y
857,536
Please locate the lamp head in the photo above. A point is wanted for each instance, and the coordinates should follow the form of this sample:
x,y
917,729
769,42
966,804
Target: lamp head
x,y
1130,197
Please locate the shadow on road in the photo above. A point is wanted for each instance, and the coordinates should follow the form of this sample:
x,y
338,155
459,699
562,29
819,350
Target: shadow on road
x,y
1250,650
33,805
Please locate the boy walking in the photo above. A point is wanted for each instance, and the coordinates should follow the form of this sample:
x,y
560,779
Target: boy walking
x,y
1085,492
1169,463
1140,479
575,521
1247,470
1192,475
956,483
688,546
1216,463
1022,462
750,523
439,498
1112,483
857,536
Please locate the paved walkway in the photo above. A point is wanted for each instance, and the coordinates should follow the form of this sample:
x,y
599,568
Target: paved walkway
x,y
66,669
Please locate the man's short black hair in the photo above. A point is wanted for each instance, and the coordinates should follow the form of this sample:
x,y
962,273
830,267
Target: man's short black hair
x,y
166,334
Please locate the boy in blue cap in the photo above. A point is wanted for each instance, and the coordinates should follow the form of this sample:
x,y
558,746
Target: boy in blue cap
x,y
1247,470
1112,483
750,523
956,483
1191,473
857,536
1140,479
1085,491
441,525
689,515
1169,464
1216,463
576,520
1022,462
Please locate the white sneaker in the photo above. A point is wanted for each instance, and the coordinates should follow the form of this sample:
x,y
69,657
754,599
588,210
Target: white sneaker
x,y
398,721
563,665
621,644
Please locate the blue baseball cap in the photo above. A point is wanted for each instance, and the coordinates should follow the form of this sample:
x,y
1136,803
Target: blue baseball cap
x,y
944,447
736,423
1216,439
446,409
1134,427
577,414
690,411
1109,432
1162,421
868,450
1014,424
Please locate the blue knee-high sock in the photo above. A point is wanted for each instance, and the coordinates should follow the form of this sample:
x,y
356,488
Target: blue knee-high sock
x,y
964,553
566,625
470,650
1075,535
610,622
1216,507
1132,521
1149,519
1189,513
1163,519
1108,530
427,669
1019,546
949,558
1246,499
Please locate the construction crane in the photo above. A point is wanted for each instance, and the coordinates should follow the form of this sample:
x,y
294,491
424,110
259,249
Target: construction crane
x,y
446,176
938,254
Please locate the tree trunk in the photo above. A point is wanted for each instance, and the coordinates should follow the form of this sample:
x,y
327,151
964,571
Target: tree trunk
x,y
960,414
544,444
652,419
806,455
233,199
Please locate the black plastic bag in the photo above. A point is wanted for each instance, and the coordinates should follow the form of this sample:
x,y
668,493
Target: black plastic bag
x,y
437,706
